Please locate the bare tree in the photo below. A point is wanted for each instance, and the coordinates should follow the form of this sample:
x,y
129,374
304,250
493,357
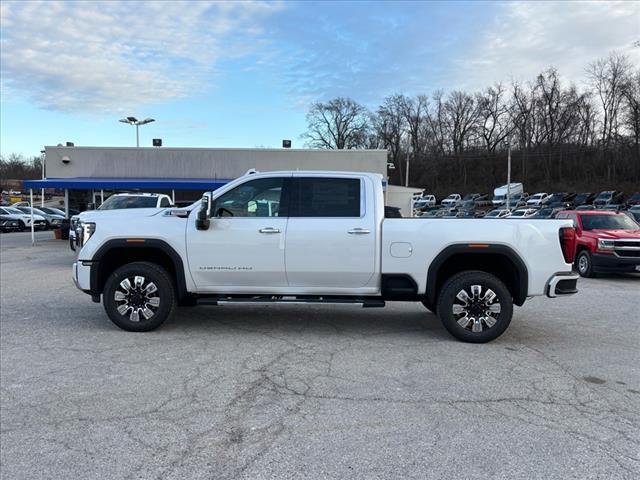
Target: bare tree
x,y
631,117
389,125
461,113
16,167
608,78
340,123
436,122
415,111
494,117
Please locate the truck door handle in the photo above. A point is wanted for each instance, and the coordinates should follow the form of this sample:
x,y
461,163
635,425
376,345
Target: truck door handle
x,y
359,231
269,230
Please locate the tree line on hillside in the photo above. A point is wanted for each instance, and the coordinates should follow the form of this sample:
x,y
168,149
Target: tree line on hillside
x,y
16,167
561,138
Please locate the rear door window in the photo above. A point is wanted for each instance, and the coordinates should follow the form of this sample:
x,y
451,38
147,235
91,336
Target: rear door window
x,y
325,197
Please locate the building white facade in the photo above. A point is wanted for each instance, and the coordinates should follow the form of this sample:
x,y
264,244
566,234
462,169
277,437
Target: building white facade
x,y
202,163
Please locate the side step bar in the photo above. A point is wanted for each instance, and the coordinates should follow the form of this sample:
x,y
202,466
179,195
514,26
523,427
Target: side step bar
x,y
374,302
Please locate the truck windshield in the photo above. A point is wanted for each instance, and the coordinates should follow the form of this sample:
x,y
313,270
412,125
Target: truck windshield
x,y
116,202
608,222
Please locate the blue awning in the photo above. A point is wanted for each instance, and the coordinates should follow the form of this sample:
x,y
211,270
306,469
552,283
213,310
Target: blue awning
x,y
96,183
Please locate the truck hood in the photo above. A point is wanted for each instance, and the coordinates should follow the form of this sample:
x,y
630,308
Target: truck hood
x,y
616,234
124,214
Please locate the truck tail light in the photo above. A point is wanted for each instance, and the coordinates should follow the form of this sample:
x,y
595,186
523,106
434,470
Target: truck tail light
x,y
568,243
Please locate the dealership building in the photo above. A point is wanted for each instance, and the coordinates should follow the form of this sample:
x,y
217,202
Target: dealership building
x,y
90,174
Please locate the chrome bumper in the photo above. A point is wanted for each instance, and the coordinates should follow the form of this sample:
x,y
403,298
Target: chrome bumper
x,y
82,276
74,274
562,284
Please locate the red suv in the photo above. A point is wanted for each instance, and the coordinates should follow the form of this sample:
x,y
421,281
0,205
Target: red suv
x,y
606,241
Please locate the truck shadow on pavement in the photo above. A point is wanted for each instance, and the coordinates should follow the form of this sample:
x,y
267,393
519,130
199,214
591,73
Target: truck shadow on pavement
x,y
312,320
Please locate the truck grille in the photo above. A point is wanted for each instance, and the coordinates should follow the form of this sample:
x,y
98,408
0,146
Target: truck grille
x,y
627,248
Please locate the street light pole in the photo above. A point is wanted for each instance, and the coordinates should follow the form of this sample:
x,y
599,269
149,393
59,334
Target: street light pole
x,y
42,153
406,180
137,123
508,174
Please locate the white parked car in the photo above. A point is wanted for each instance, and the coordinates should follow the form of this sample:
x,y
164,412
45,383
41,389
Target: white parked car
x,y
523,213
54,220
498,213
452,200
424,202
136,200
329,243
538,199
119,201
39,222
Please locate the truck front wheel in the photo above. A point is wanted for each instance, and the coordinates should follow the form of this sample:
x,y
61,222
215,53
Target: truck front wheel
x,y
475,306
139,296
585,264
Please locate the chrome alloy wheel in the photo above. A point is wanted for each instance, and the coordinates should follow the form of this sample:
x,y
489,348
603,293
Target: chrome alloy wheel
x,y
135,296
583,264
476,309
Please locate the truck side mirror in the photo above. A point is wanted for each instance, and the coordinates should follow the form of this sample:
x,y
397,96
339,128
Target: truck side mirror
x,y
202,220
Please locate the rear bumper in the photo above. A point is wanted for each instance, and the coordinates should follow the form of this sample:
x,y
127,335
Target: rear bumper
x,y
610,263
562,284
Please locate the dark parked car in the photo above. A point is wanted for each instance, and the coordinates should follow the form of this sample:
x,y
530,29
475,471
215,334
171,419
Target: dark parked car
x,y
584,199
9,224
478,197
471,196
608,197
546,212
634,200
634,212
560,199
469,209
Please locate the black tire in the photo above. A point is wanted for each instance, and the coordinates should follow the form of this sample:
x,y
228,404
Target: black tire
x,y
489,318
584,264
22,227
138,298
428,306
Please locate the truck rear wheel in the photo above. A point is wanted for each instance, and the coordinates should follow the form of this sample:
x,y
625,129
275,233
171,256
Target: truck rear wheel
x,y
139,296
475,306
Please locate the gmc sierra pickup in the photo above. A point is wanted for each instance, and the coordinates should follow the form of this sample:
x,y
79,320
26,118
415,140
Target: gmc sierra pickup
x,y
317,237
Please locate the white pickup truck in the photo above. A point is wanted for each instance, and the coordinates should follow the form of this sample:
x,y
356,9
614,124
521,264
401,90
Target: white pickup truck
x,y
318,237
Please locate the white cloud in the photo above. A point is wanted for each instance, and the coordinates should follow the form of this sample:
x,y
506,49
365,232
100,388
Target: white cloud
x,y
527,37
113,56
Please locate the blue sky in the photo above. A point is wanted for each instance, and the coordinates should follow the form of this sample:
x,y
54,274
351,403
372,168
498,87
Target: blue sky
x,y
242,74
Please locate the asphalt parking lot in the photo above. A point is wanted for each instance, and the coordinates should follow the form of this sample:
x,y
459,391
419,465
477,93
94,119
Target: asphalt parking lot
x,y
311,391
